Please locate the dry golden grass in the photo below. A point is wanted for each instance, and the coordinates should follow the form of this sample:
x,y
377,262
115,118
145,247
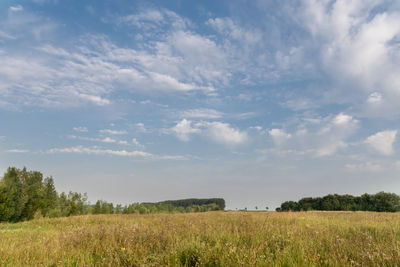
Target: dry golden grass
x,y
206,239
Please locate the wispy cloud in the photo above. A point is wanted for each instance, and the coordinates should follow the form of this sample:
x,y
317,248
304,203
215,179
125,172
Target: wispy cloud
x,y
202,113
16,8
136,143
17,151
140,126
364,167
102,140
113,132
107,139
319,137
80,129
110,152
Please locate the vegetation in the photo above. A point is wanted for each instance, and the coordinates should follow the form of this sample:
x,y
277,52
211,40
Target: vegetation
x,y
25,195
386,202
220,202
135,235
205,239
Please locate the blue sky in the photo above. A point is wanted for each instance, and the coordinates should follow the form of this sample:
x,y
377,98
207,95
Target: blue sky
x,y
257,102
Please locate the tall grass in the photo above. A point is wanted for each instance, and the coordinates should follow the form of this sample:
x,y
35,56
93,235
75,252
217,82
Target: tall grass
x,y
206,239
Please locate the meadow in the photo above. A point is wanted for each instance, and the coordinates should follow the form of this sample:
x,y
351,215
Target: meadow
x,y
205,239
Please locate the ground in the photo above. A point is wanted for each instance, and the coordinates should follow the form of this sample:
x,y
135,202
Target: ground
x,y
206,239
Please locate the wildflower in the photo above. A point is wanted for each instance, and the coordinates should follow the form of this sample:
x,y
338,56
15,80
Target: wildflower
x,y
123,249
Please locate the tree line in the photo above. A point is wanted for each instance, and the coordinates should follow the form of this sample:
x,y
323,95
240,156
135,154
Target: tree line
x,y
220,202
381,202
25,195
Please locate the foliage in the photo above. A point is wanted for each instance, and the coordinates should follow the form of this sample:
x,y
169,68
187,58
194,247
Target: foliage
x,y
25,195
220,202
384,202
205,239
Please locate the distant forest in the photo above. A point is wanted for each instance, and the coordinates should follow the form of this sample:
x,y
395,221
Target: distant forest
x,y
25,195
382,202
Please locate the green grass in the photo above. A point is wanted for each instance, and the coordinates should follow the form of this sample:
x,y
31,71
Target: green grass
x,y
206,239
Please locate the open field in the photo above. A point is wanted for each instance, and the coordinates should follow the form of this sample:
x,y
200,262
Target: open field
x,y
209,239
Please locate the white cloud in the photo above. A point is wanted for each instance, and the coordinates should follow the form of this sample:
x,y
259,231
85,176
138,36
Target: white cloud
x,y
375,98
334,134
148,15
358,48
202,113
5,35
153,19
108,140
342,119
102,140
228,27
365,167
258,128
279,136
16,8
109,152
319,137
136,143
218,132
80,129
245,97
95,99
382,142
96,151
175,58
181,61
223,133
17,151
141,127
184,129
113,132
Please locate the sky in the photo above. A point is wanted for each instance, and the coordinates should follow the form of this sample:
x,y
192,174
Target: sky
x,y
257,102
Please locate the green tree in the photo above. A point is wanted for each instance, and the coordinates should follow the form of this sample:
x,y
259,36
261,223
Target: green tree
x,y
50,197
388,202
32,189
6,203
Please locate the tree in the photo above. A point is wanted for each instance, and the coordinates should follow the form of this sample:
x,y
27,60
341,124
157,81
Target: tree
x,y
17,198
97,207
32,189
118,209
50,197
6,203
388,202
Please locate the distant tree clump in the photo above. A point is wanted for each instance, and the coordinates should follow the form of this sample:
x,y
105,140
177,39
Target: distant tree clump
x,y
25,195
381,202
219,202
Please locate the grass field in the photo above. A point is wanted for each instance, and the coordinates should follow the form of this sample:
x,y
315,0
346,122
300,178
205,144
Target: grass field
x,y
206,239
